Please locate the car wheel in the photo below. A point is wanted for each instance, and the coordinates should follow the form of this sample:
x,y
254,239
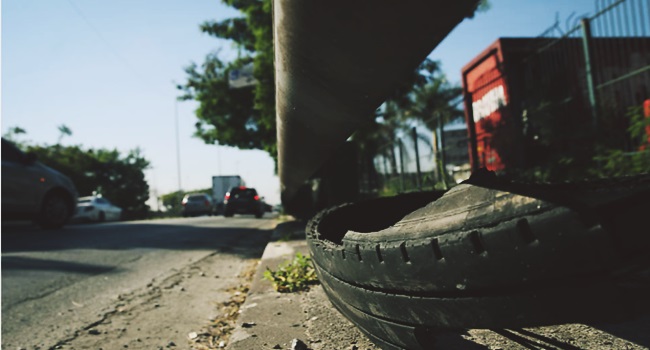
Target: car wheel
x,y
228,214
101,217
259,215
55,211
486,254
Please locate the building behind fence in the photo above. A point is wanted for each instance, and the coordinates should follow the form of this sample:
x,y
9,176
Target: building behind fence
x,y
528,102
532,101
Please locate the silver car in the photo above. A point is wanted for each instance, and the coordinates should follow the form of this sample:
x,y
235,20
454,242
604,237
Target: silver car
x,y
197,204
32,190
96,208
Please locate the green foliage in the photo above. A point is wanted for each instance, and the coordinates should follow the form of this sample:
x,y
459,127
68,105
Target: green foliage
x,y
12,132
244,117
615,162
618,163
427,98
65,131
481,7
172,202
120,178
563,145
293,276
639,125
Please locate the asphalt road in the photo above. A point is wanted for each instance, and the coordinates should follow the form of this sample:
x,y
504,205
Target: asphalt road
x,y
58,283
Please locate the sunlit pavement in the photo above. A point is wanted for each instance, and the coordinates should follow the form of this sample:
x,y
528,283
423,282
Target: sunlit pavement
x,y
56,282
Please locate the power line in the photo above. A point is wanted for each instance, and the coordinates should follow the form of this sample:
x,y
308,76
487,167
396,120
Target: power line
x,y
110,47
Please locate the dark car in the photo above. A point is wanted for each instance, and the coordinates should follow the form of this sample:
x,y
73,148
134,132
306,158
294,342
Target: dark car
x,y
243,200
32,190
197,204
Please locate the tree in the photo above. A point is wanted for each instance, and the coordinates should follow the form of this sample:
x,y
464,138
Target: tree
x,y
244,117
427,98
12,132
172,202
119,178
483,6
64,131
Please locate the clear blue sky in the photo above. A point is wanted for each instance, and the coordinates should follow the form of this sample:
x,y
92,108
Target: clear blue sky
x,y
106,70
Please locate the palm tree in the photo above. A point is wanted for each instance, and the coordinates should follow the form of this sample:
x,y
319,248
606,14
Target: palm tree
x,y
64,131
435,104
428,99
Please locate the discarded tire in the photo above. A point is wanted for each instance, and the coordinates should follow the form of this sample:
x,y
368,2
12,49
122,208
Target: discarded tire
x,y
486,254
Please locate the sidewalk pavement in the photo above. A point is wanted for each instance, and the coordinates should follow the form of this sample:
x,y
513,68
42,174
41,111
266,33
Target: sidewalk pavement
x,y
272,320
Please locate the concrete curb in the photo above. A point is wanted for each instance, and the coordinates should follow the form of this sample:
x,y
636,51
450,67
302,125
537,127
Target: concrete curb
x,y
272,320
268,319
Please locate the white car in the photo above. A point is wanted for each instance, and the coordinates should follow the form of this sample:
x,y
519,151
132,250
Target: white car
x,y
96,208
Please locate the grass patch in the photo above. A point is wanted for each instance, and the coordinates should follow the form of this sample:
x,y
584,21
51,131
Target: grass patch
x,y
293,275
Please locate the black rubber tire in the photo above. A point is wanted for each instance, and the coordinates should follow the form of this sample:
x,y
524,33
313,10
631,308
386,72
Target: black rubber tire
x,y
259,215
228,214
482,257
462,242
55,211
102,216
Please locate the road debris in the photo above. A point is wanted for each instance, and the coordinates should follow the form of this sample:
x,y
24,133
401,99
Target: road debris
x,y
298,344
218,331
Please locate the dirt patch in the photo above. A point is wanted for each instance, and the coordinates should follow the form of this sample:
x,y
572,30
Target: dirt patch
x,y
172,313
218,331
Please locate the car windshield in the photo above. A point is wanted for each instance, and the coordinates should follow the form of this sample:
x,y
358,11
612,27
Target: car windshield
x,y
84,201
198,198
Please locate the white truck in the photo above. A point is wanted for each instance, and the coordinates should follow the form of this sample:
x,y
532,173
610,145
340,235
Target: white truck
x,y
221,185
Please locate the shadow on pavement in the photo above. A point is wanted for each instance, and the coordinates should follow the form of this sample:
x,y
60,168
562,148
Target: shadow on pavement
x,y
290,231
635,330
534,340
25,263
246,242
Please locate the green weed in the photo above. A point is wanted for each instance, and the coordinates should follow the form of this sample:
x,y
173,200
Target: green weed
x,y
293,276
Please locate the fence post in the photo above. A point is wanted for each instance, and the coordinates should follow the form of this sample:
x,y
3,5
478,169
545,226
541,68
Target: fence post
x,y
589,71
386,176
418,179
443,160
401,164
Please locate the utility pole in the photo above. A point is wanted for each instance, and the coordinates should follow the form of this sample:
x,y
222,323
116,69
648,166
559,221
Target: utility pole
x,y
178,147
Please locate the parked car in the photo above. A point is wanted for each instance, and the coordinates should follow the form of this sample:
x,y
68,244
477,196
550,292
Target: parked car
x,y
197,204
243,200
32,190
97,208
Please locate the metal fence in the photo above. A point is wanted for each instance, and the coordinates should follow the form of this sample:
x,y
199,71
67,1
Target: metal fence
x,y
569,85
417,159
595,71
